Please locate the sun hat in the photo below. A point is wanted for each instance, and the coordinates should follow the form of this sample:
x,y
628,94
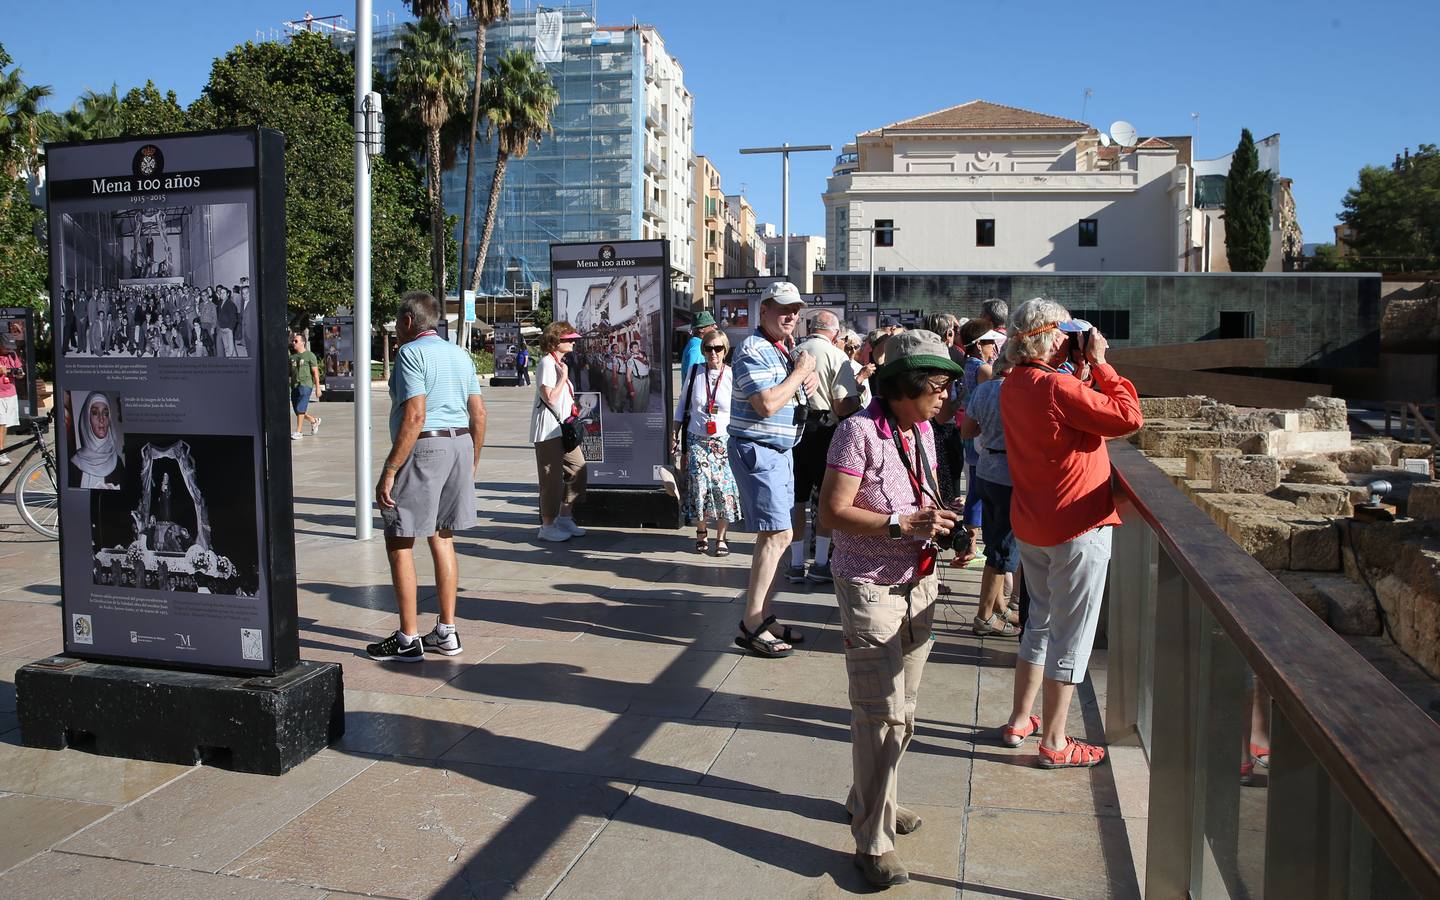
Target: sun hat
x,y
916,349
568,336
1074,326
702,320
992,335
889,322
782,293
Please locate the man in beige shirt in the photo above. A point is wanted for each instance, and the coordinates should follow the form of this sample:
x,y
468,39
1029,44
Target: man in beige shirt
x,y
837,397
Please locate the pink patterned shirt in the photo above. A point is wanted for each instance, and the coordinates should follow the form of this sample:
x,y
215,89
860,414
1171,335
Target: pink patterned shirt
x,y
862,447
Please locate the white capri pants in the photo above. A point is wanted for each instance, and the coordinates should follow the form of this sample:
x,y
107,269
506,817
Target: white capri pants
x,y
1066,584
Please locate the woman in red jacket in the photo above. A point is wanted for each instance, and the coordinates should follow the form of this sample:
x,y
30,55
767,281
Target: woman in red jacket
x,y
1061,510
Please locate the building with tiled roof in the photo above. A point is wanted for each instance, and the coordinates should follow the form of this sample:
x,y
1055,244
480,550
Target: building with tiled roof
x,y
983,186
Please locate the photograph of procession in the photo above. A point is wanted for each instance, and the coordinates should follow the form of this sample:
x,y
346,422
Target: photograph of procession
x,y
164,281
181,520
619,355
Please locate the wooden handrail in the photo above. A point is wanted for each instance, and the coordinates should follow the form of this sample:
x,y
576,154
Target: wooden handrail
x,y
1381,751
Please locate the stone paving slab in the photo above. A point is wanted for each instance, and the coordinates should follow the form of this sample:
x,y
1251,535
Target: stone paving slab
x,y
600,735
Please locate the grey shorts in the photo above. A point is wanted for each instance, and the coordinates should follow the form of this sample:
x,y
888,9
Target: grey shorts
x,y
435,488
765,478
1066,583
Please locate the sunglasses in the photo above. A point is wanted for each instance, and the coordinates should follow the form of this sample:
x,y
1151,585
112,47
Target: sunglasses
x,y
939,385
714,348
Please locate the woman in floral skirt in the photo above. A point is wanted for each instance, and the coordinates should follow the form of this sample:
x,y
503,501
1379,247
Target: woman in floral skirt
x,y
704,415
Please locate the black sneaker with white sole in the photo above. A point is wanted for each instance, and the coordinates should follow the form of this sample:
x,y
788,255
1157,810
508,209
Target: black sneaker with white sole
x,y
392,648
445,646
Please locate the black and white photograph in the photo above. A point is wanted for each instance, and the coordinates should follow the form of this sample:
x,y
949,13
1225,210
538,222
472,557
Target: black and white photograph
x,y
94,431
620,320
182,520
592,431
163,281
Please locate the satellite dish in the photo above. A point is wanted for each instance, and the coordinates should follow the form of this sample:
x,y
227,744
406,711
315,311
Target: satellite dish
x,y
1104,139
1124,133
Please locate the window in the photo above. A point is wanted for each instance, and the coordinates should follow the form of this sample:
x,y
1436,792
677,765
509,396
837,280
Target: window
x,y
984,232
1090,233
1237,325
1113,323
884,232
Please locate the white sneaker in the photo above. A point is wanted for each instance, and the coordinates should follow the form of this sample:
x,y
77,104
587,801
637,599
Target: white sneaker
x,y
4,460
553,532
315,426
295,435
569,525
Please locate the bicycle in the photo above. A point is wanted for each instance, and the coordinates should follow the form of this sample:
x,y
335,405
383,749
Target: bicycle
x,y
37,483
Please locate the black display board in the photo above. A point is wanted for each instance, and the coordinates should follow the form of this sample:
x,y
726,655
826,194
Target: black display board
x,y
167,259
814,303
19,323
737,304
338,366
617,296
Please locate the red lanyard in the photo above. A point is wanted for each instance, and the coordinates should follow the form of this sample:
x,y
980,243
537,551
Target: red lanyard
x,y
425,333
928,550
711,390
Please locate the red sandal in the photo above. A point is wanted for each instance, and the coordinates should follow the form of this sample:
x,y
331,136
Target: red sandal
x,y
1014,737
1260,754
1076,755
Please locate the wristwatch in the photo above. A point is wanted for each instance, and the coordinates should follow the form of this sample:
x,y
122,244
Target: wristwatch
x,y
894,526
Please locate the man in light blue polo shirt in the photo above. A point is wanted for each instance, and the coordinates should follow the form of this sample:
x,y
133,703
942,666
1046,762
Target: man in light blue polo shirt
x,y
427,486
767,412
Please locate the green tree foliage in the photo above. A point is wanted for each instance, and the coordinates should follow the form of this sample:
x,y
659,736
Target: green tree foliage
x,y
23,126
484,13
431,77
1247,209
1395,211
23,260
517,99
144,110
95,115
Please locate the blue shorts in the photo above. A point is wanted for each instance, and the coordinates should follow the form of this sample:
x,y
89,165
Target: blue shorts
x,y
1001,553
300,398
766,479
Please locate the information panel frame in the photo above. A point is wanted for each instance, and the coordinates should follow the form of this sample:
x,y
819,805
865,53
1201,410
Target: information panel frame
x,y
198,575
623,446
337,366
736,297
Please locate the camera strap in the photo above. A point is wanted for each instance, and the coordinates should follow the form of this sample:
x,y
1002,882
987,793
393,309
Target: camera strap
x,y
923,483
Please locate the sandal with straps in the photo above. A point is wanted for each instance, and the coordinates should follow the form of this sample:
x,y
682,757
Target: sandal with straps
x,y
1076,755
702,538
722,548
988,627
749,640
786,635
1014,737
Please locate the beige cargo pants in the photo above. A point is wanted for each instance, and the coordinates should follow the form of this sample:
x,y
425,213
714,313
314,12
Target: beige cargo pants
x,y
887,640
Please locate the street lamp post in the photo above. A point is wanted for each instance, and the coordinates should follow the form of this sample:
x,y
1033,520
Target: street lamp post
x,y
362,122
785,150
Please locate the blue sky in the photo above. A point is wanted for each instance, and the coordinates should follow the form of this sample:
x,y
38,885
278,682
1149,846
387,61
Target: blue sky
x,y
1345,84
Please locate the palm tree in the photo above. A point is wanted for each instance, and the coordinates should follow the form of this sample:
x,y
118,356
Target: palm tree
x,y
94,115
430,75
22,125
484,12
518,99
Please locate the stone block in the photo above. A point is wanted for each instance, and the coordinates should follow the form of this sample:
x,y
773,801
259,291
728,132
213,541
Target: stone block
x,y
1197,460
1264,537
1409,593
1307,443
1348,608
1362,457
1325,499
1284,419
1173,443
1249,474
1174,469
1330,413
1245,441
1314,545
1400,450
1301,585
1317,470
1424,501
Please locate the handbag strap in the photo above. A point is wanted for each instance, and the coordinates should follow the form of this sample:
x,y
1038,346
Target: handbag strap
x,y
689,397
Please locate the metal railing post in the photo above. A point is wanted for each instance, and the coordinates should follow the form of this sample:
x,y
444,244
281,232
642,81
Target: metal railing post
x,y
1169,834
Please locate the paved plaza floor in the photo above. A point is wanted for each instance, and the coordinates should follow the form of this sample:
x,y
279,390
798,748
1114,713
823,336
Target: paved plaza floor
x,y
600,736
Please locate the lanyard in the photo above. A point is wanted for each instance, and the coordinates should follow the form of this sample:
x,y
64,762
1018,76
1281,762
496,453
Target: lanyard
x,y
711,389
426,333
928,550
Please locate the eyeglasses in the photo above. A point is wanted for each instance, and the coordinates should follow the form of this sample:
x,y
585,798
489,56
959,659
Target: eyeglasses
x,y
714,348
939,385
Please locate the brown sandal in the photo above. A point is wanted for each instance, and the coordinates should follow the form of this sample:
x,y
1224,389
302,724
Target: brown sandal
x,y
702,539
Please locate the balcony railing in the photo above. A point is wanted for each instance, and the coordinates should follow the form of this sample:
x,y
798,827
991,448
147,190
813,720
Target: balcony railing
x,y
1199,637
652,161
848,159
654,207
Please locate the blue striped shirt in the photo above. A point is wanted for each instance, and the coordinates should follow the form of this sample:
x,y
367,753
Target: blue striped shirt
x,y
758,366
441,371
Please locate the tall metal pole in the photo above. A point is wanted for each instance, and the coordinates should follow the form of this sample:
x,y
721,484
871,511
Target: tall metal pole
x,y
785,150
785,210
362,275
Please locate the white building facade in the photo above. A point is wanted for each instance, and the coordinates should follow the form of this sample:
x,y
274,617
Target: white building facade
x,y
984,187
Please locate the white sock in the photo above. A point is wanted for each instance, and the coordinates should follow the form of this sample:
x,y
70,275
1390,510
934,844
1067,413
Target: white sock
x,y
822,550
797,553
408,639
443,630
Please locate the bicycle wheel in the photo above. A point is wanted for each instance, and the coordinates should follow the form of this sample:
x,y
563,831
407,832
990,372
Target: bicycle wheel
x,y
37,496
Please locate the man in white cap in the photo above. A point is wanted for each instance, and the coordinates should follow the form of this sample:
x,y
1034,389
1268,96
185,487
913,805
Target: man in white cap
x,y
768,408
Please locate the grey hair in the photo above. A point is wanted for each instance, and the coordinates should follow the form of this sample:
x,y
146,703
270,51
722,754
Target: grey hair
x,y
997,311
1033,314
825,320
422,308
